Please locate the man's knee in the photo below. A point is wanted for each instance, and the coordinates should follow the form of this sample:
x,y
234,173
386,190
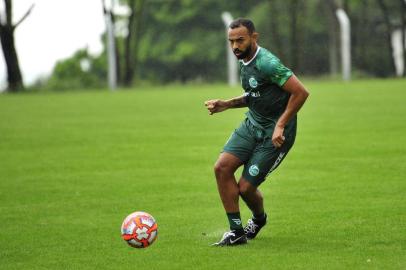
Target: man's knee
x,y
246,188
226,164
222,168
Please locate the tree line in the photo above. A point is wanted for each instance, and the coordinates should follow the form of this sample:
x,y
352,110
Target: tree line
x,y
163,41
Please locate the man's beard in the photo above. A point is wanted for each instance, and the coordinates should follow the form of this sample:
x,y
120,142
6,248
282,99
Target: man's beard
x,y
243,54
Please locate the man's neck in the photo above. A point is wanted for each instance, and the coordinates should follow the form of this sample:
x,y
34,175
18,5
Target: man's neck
x,y
252,53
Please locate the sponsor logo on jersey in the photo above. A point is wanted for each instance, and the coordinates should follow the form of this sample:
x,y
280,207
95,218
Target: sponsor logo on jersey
x,y
252,82
253,170
255,94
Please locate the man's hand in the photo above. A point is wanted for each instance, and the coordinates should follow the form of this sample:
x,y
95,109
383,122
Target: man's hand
x,y
216,106
277,137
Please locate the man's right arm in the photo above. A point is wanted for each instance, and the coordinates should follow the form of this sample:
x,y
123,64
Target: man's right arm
x,y
218,105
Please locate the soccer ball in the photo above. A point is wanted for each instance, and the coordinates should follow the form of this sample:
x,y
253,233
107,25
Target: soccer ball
x,y
139,229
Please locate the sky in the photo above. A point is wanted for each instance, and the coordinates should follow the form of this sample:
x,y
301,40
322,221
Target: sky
x,y
54,30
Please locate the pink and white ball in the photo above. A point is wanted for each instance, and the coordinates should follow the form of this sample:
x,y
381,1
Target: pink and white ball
x,y
139,229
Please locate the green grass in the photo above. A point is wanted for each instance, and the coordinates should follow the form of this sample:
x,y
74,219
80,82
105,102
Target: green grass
x,y
73,165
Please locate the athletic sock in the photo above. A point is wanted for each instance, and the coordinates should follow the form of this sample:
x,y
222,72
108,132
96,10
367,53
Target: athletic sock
x,y
259,218
235,222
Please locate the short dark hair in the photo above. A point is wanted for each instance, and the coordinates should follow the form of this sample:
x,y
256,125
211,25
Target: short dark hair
x,y
243,22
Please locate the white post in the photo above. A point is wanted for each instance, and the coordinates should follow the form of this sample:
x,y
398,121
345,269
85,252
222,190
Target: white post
x,y
231,60
111,52
397,44
345,30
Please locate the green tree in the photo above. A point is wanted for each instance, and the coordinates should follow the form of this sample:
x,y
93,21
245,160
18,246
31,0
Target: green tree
x,y
184,40
295,32
402,9
79,71
132,40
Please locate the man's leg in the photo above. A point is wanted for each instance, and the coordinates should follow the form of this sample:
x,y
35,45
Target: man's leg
x,y
251,196
255,202
224,170
237,150
229,192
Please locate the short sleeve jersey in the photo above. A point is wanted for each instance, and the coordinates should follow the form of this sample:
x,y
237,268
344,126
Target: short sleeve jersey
x,y
262,79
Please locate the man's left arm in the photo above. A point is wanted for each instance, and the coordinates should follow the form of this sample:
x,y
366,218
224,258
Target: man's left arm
x,y
298,96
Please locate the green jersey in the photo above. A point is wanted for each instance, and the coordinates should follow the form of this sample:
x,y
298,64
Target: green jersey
x,y
262,79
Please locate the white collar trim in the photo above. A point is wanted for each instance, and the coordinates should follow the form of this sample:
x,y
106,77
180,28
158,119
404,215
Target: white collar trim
x,y
255,55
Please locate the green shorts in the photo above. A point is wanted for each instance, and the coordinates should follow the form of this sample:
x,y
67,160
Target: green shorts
x,y
254,147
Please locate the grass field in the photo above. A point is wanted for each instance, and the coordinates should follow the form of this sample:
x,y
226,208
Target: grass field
x,y
74,164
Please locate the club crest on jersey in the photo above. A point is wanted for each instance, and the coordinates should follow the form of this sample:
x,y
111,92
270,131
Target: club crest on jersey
x,y
253,170
252,82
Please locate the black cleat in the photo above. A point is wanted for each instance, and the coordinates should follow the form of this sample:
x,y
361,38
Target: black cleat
x,y
231,239
253,227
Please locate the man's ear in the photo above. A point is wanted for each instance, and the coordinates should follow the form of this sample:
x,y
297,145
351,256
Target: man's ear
x,y
255,36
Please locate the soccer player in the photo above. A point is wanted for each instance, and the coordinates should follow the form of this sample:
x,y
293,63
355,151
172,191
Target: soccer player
x,y
273,95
